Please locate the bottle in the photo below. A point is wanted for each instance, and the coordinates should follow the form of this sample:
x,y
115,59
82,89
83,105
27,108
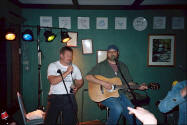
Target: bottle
x,y
4,118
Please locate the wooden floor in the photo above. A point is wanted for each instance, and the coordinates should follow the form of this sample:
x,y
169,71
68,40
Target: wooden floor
x,y
95,122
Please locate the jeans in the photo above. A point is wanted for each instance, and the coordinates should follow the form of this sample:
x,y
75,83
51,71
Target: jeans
x,y
61,103
117,107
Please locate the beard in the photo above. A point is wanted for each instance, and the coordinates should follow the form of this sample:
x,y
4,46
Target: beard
x,y
112,58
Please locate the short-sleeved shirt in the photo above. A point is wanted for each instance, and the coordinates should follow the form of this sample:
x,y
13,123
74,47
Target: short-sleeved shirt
x,y
59,88
106,70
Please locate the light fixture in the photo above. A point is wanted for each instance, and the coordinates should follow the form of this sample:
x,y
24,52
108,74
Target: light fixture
x,y
65,37
10,35
49,36
27,35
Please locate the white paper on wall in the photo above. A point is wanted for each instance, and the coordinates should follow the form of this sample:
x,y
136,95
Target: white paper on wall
x,y
64,22
46,21
83,23
178,23
159,22
102,23
120,23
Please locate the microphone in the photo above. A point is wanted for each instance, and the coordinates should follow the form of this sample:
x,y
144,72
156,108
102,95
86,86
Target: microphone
x,y
59,71
115,59
71,65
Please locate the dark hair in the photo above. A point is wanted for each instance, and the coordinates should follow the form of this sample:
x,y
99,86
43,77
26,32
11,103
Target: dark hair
x,y
65,48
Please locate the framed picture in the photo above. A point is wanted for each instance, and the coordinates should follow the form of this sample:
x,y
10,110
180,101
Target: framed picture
x,y
87,46
73,41
161,50
101,55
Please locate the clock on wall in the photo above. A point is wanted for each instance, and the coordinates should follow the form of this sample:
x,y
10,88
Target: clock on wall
x,y
140,23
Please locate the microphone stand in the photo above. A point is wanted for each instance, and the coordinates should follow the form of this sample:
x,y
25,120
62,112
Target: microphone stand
x,y
70,99
128,86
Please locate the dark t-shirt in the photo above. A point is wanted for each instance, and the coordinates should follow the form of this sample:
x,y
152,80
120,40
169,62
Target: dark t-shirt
x,y
106,70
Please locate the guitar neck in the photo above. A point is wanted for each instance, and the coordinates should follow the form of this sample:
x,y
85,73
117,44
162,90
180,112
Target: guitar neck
x,y
125,88
153,86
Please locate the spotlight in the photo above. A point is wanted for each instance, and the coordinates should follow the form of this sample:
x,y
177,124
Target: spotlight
x,y
49,36
65,37
27,35
10,35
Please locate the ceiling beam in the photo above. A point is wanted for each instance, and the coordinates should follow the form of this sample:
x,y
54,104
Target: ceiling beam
x,y
137,2
76,4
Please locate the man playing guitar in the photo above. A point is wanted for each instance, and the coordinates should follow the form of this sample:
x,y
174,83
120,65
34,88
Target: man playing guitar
x,y
109,69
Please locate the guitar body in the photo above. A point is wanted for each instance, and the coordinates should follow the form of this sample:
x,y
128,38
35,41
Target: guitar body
x,y
98,93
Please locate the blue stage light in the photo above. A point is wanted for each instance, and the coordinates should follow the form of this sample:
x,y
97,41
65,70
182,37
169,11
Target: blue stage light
x,y
27,35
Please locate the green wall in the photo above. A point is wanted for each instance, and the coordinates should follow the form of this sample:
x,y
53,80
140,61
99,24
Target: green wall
x,y
133,51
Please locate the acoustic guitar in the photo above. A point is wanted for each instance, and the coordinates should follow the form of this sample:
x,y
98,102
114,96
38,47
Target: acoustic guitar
x,y
98,93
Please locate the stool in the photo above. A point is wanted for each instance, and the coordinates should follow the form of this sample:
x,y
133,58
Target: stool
x,y
102,107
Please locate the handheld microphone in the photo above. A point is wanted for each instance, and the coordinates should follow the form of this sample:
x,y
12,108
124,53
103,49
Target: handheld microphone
x,y
71,65
71,89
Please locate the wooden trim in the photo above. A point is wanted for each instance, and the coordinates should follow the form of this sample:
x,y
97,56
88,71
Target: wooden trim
x,y
135,6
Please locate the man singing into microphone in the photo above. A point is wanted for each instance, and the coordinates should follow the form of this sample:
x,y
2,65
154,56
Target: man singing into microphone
x,y
109,69
59,100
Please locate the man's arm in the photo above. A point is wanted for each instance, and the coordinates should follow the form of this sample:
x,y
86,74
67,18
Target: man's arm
x,y
146,117
129,79
93,79
79,83
56,79
173,99
134,85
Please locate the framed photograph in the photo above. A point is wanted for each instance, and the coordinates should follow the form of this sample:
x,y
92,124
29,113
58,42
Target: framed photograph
x,y
73,41
87,46
101,55
161,50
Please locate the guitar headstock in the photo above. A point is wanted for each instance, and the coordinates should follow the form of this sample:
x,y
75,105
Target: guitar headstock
x,y
154,86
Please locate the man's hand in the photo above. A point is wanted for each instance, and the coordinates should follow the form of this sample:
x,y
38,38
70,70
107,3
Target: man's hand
x,y
143,86
143,115
184,91
69,69
75,90
107,85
